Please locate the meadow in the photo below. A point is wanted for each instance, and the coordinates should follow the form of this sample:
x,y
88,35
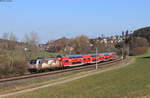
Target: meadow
x,y
131,81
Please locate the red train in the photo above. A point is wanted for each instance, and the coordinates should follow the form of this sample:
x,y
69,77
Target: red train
x,y
69,61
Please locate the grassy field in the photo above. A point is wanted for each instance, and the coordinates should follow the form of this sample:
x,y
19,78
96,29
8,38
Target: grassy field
x,y
132,81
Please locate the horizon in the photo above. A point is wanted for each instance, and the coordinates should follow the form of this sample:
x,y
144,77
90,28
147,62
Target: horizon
x,y
56,19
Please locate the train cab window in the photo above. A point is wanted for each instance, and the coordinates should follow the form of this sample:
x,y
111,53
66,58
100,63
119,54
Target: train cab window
x,y
33,61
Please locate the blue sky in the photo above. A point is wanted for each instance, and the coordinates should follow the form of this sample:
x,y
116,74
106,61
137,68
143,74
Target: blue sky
x,y
53,19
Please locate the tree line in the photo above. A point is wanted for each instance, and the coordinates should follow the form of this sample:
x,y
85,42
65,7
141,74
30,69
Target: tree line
x,y
135,43
79,45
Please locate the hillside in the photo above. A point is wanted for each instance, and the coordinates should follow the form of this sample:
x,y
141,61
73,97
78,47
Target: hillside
x,y
143,32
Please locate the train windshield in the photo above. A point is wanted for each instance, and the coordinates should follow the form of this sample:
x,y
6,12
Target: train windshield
x,y
33,61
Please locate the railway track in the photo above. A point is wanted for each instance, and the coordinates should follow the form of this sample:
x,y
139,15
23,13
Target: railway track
x,y
88,67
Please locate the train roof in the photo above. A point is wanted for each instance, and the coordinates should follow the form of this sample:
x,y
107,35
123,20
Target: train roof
x,y
51,59
107,53
74,56
93,55
104,53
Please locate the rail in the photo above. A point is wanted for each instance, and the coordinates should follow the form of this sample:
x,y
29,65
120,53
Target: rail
x,y
100,65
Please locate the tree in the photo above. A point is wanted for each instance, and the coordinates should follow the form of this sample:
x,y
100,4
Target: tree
x,y
81,44
31,38
60,45
12,37
127,33
5,36
9,41
138,42
138,46
32,43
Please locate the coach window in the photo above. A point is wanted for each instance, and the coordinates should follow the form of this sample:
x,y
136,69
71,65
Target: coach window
x,y
66,61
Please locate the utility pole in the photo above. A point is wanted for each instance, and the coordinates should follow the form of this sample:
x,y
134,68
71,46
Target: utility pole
x,y
96,58
128,50
96,52
122,53
123,35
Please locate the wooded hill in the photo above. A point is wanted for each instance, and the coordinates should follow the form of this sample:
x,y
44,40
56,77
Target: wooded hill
x,y
143,32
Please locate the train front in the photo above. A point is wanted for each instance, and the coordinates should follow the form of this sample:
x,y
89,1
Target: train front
x,y
33,65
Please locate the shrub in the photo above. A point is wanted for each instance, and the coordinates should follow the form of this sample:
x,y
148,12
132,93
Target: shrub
x,y
139,51
19,67
12,64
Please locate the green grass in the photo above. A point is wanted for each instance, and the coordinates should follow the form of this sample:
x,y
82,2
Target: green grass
x,y
131,81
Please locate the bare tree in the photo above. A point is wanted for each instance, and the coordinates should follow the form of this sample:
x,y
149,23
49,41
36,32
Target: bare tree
x,y
9,41
31,38
9,36
32,42
12,37
5,36
138,45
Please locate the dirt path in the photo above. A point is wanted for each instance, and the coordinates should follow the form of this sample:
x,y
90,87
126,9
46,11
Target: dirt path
x,y
69,80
